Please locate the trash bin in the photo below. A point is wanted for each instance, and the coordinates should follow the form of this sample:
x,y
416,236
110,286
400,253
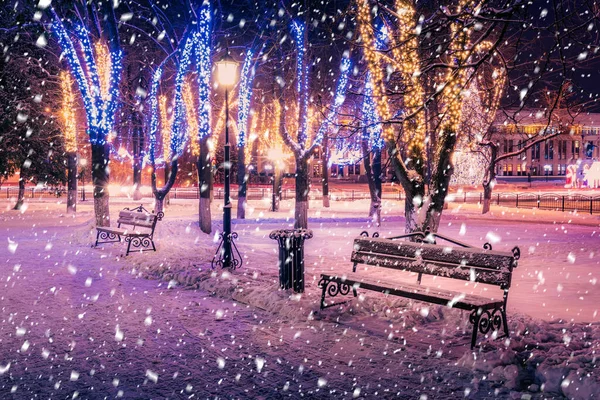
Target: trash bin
x,y
291,257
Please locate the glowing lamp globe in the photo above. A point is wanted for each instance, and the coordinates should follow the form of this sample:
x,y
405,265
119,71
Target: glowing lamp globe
x,y
227,70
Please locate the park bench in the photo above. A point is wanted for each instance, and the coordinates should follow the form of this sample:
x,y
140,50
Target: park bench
x,y
419,253
136,226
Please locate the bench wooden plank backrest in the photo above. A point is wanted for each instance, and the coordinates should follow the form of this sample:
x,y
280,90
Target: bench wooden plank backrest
x,y
135,218
464,263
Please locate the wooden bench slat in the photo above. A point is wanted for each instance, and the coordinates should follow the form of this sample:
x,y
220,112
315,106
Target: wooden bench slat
x,y
116,231
446,270
144,224
420,293
430,252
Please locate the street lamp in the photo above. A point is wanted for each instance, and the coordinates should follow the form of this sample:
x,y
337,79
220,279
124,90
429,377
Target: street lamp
x,y
227,74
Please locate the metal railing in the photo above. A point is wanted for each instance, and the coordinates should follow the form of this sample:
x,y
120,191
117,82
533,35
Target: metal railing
x,y
543,201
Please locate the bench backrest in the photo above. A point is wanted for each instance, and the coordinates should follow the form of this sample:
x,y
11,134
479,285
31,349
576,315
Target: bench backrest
x,y
464,263
137,219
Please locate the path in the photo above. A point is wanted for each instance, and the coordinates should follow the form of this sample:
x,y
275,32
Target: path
x,y
76,322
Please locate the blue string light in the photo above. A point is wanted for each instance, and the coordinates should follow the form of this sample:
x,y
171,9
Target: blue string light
x,y
340,97
100,112
382,37
298,29
178,138
374,131
202,54
154,113
245,97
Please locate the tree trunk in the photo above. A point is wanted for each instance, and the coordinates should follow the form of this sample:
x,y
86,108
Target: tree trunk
x,y
420,213
205,185
161,194
487,197
21,196
100,179
167,199
137,177
490,179
302,188
375,207
377,172
277,183
137,133
159,205
325,179
242,182
423,212
71,182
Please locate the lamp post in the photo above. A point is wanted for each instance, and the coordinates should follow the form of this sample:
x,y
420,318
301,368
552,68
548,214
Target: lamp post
x,y
226,73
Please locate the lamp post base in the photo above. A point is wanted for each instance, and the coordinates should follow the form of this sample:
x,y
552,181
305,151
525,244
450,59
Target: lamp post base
x,y
223,260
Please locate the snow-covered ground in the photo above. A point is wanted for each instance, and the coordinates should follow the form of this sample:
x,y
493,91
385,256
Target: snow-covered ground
x,y
76,319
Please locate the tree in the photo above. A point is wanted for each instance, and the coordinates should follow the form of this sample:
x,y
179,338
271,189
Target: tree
x,y
434,55
173,133
371,146
423,207
97,71
30,139
303,146
204,164
555,123
245,98
69,127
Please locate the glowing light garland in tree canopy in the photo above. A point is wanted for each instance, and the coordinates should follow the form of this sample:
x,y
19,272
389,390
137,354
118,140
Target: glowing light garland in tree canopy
x,y
338,100
154,113
298,31
455,78
165,127
100,112
176,132
245,96
202,57
469,160
371,119
191,118
373,132
409,64
67,112
374,65
255,116
104,65
177,135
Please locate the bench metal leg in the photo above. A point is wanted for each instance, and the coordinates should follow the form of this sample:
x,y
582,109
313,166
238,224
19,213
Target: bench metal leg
x,y
106,237
487,320
128,240
334,288
505,322
144,243
475,318
323,283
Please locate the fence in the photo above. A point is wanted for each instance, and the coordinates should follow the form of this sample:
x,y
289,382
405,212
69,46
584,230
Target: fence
x,y
545,201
